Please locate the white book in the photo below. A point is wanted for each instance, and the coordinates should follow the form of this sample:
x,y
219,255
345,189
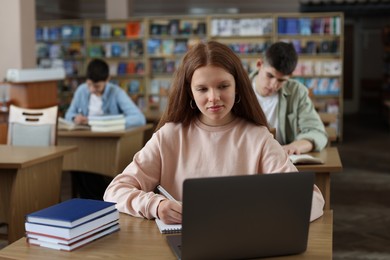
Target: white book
x,y
108,128
58,240
305,159
119,121
69,233
105,117
75,245
168,228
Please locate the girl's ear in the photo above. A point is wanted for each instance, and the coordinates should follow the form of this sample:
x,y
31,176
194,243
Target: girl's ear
x,y
259,63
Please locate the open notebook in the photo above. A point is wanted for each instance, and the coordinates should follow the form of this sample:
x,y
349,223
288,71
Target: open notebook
x,y
168,228
305,159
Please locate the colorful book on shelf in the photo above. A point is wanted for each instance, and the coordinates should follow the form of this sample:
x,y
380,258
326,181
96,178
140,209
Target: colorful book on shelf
x,y
69,245
95,31
71,213
168,228
133,29
118,32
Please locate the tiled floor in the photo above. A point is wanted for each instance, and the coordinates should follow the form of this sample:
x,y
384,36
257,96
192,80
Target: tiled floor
x,y
360,195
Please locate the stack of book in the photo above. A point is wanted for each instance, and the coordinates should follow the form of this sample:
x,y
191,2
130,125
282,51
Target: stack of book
x,y
107,123
71,224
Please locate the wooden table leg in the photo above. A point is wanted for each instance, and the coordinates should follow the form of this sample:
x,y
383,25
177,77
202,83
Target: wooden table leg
x,y
323,183
29,189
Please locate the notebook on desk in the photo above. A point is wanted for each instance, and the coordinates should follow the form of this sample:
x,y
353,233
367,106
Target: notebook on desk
x,y
244,216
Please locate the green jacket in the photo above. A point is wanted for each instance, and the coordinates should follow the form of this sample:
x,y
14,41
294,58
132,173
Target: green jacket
x,y
297,116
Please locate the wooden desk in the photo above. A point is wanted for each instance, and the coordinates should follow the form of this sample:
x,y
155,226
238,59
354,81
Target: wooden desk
x,y
30,180
106,153
331,157
140,239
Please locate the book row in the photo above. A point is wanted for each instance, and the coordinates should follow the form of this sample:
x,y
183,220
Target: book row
x,y
309,26
127,68
176,27
130,49
131,86
62,32
72,67
321,86
164,66
318,68
64,50
107,30
249,48
169,46
241,27
316,47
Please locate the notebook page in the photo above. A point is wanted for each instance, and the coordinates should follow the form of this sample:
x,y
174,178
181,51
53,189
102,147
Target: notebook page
x,y
167,228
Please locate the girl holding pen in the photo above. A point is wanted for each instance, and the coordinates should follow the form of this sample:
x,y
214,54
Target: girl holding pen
x,y
213,126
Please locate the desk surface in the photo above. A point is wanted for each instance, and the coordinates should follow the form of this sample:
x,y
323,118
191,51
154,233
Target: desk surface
x,y
17,157
332,163
331,158
89,133
30,179
140,239
106,153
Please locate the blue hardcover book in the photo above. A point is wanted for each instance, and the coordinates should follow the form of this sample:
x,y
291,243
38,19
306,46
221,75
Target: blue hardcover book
x,y
71,213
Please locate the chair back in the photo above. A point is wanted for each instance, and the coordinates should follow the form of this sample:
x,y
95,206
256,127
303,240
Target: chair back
x,y
32,127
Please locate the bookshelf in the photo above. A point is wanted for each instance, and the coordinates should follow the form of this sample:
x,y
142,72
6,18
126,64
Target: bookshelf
x,y
318,40
121,43
169,38
62,43
144,52
247,35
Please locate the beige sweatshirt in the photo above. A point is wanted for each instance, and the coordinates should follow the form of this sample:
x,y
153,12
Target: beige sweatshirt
x,y
175,153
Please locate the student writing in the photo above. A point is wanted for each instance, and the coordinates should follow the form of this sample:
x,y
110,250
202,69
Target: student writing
x,y
97,96
285,101
212,126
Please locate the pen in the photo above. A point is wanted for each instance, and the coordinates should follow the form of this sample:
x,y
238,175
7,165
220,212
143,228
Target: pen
x,y
166,194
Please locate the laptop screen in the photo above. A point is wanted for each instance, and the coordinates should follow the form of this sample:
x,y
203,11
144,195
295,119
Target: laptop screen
x,y
246,216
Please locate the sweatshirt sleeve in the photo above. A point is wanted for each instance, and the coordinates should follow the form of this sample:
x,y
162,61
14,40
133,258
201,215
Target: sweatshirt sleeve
x,y
133,115
76,105
133,189
275,160
310,124
317,204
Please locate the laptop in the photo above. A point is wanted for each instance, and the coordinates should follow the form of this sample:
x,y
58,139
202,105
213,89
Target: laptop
x,y
251,216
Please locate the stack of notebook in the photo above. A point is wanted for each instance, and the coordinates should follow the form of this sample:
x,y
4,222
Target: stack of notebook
x,y
71,224
106,123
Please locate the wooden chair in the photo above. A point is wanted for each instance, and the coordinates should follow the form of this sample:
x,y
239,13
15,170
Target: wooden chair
x,y
32,127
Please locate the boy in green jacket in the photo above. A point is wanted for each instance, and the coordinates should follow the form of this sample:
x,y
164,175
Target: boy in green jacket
x,y
286,102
